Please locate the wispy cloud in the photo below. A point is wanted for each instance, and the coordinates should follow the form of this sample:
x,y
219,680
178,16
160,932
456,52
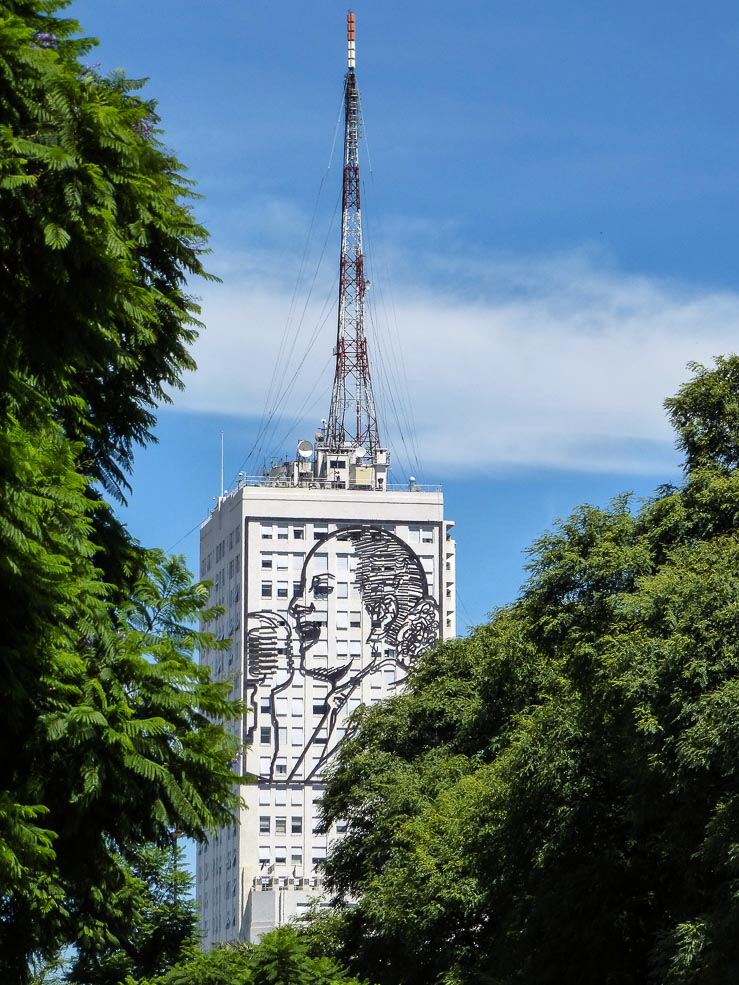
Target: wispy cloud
x,y
557,361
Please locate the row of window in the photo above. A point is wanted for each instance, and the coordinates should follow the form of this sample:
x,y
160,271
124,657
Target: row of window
x,y
296,824
283,531
343,564
296,737
296,706
420,535
281,590
265,764
279,794
280,855
281,562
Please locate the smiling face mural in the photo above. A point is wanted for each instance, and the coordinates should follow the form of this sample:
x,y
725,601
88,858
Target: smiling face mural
x,y
360,614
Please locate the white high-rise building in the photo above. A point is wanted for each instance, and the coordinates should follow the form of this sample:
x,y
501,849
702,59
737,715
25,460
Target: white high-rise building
x,y
333,582
331,588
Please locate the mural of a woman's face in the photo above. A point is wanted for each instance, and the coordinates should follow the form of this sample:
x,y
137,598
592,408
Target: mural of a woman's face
x,y
386,580
355,570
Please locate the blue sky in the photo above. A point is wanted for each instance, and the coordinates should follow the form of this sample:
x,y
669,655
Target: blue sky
x,y
551,213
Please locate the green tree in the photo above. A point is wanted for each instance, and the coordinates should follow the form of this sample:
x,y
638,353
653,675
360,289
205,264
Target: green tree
x,y
96,239
157,921
124,750
556,798
107,738
280,958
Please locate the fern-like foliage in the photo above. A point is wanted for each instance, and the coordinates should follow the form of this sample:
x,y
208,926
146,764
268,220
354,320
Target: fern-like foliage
x,y
108,739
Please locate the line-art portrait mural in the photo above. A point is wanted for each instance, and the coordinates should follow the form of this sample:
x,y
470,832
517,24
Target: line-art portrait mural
x,y
360,608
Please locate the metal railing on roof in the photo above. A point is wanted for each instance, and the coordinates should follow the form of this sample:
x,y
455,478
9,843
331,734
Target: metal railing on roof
x,y
274,482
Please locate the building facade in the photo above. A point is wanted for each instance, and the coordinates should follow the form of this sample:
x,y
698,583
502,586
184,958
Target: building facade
x,y
331,589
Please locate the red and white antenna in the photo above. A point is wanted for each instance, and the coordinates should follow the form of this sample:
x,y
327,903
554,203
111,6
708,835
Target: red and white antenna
x,y
352,420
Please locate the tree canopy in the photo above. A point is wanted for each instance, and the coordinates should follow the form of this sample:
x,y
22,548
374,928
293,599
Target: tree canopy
x,y
280,958
107,738
96,242
556,798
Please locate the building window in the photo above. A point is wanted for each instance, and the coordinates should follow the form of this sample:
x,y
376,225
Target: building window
x,y
265,733
266,562
281,767
296,825
281,589
296,856
340,827
280,797
281,532
264,824
298,533
280,825
266,531
320,707
281,854
266,589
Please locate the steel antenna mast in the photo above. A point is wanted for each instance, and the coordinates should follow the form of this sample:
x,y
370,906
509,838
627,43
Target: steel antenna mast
x,y
352,420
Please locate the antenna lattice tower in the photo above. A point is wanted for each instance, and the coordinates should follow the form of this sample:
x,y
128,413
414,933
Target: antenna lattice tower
x,y
352,420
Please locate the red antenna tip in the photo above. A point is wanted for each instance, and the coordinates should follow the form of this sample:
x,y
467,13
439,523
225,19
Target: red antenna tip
x,y
350,33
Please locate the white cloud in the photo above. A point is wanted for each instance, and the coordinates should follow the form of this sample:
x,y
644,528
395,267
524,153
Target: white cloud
x,y
559,361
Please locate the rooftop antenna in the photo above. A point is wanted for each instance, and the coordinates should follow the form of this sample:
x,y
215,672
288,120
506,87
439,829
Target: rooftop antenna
x,y
352,420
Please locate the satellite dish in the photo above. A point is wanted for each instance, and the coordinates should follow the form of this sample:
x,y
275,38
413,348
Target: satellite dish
x,y
305,449
359,453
